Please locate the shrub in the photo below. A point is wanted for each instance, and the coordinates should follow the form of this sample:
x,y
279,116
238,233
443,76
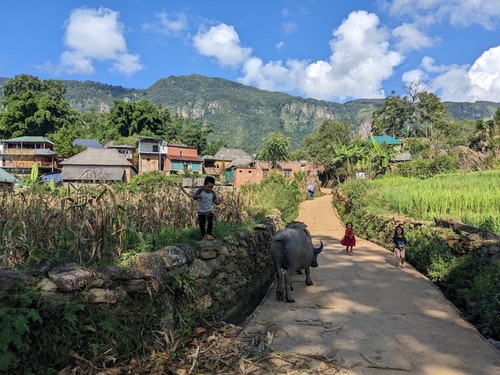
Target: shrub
x,y
275,192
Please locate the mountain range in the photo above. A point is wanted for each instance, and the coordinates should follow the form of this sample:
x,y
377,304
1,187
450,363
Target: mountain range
x,y
244,115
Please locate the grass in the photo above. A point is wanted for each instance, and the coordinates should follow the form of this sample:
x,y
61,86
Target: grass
x,y
472,198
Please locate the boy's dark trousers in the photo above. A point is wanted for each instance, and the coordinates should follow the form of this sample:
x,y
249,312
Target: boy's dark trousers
x,y
206,220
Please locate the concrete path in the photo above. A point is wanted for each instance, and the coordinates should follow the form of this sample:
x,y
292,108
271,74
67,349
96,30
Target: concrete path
x,y
369,316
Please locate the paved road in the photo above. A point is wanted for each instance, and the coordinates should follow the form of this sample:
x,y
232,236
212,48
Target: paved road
x,y
369,316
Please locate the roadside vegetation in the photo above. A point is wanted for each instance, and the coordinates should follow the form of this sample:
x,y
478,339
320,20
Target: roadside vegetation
x,y
466,276
469,197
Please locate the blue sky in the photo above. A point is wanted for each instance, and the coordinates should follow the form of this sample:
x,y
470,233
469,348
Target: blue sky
x,y
335,50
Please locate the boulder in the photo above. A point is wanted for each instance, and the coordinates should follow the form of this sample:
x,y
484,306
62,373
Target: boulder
x,y
70,277
11,279
153,267
97,295
122,273
200,269
172,256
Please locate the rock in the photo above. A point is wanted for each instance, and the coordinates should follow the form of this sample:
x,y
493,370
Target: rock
x,y
47,286
11,279
493,250
122,273
135,286
200,269
41,268
102,296
55,299
207,254
172,256
70,277
214,264
224,251
205,246
231,267
154,267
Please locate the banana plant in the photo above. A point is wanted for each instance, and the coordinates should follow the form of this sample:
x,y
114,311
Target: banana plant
x,y
381,157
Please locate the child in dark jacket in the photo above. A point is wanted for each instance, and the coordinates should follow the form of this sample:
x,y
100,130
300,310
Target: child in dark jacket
x,y
399,246
207,199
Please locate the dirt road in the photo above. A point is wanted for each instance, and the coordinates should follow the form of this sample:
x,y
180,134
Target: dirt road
x,y
368,316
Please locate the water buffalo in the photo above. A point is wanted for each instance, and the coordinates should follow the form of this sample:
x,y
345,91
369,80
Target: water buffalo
x,y
292,250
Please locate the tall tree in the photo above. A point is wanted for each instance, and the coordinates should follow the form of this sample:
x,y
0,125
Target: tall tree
x,y
276,149
392,117
416,113
194,134
142,117
321,146
33,107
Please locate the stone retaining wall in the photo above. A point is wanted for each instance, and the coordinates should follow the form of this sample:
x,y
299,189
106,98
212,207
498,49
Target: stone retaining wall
x,y
225,274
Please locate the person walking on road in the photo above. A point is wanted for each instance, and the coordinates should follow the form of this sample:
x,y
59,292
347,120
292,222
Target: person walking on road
x,y
399,246
311,188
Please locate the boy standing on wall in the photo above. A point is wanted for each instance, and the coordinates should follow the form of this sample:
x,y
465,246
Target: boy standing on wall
x,y
206,198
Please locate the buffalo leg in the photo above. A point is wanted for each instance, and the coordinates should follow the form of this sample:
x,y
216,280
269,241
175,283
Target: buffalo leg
x,y
288,283
280,295
308,277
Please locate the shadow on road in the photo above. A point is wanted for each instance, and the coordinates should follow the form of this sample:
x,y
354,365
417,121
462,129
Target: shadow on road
x,y
367,315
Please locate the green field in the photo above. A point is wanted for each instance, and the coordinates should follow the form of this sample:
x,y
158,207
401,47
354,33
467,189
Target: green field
x,y
473,198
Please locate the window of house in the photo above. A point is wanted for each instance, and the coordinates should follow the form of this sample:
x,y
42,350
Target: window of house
x,y
287,173
265,172
155,148
180,152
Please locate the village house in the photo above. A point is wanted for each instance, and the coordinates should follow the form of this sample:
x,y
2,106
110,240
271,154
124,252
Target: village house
x,y
256,171
181,158
128,152
96,165
396,145
7,181
152,152
19,154
227,156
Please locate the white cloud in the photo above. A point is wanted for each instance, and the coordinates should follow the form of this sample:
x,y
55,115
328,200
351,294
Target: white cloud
x,y
485,13
410,38
167,24
360,61
96,35
289,27
222,42
481,81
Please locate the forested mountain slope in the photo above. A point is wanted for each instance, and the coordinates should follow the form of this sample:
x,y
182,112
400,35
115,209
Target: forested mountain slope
x,y
244,115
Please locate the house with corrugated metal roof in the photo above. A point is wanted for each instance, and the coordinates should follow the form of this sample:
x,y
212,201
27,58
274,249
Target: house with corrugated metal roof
x,y
87,143
227,156
21,153
7,180
96,165
127,151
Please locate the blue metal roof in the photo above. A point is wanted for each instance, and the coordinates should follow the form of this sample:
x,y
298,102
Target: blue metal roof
x,y
94,143
49,176
387,139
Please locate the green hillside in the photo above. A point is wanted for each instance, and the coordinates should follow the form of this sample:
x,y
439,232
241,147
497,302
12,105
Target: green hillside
x,y
244,115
